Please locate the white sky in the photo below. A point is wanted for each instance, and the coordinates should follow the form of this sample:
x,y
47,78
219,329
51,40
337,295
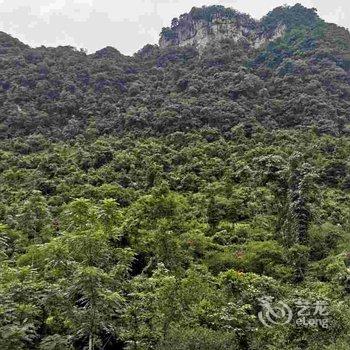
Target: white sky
x,y
127,25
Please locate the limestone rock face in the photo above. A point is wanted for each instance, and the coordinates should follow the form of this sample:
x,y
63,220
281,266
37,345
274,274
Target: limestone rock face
x,y
199,29
264,38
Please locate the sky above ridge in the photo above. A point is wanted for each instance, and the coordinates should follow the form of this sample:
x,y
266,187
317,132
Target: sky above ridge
x,y
125,25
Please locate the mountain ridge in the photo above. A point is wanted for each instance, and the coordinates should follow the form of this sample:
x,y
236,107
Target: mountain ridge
x,y
266,26
62,91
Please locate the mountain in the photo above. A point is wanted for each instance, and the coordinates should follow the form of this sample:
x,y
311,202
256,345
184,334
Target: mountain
x,y
192,196
290,69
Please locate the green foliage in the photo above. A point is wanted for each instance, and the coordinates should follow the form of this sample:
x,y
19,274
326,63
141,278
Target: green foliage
x,y
198,338
168,33
208,13
291,17
149,202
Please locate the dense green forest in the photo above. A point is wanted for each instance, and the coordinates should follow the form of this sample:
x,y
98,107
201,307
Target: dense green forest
x,y
150,202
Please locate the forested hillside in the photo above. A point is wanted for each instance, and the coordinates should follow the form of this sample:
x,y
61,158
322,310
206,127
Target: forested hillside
x,y
149,202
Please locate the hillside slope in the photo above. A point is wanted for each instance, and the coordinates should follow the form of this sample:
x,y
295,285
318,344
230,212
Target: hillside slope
x,y
297,76
192,196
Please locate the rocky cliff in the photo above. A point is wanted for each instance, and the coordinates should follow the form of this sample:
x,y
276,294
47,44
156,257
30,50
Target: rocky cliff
x,y
214,23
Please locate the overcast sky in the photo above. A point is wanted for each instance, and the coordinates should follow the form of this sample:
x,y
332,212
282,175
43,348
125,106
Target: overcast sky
x,y
126,25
